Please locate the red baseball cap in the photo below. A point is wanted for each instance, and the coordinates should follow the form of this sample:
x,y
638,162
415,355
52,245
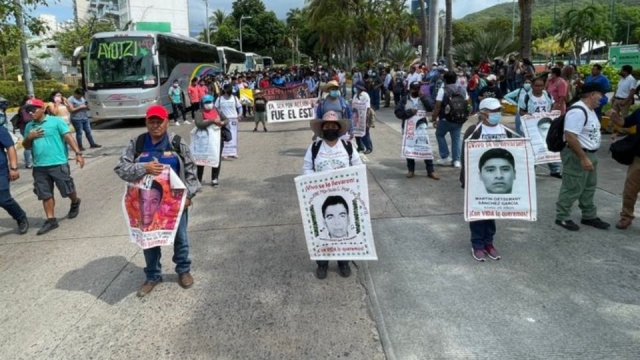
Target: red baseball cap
x,y
36,102
157,111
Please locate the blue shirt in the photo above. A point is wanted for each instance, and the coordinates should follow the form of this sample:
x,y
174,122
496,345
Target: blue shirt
x,y
604,82
5,143
163,151
175,93
80,114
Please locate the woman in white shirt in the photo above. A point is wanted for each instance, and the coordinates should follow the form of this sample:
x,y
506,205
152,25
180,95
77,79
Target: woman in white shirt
x,y
330,153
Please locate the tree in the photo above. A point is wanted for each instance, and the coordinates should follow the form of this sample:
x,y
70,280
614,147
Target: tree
x,y
526,12
550,46
10,34
448,33
462,32
247,8
492,44
68,40
226,36
401,55
500,24
218,17
576,33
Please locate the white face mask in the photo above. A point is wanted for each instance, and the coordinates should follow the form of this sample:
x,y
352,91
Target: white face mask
x,y
208,106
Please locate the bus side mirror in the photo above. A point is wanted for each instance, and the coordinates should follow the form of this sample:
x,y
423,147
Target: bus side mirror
x,y
156,62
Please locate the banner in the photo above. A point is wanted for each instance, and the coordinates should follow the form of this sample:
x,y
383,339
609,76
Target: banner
x,y
359,117
279,111
231,147
297,91
153,208
246,97
335,214
499,180
415,138
205,146
535,127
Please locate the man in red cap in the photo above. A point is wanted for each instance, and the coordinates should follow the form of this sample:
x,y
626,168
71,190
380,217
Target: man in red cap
x,y
45,136
148,154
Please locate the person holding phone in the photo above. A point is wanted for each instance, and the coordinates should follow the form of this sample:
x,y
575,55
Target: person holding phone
x,y
79,108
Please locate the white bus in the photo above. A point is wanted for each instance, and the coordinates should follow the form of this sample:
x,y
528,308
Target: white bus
x,y
126,72
254,62
232,60
267,62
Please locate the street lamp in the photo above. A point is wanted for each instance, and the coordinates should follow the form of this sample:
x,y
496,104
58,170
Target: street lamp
x,y
206,5
242,18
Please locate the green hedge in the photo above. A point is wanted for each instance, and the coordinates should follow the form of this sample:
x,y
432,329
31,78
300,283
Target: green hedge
x,y
14,91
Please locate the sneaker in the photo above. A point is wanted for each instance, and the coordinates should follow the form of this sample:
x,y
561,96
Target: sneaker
x,y
556,175
265,130
456,164
410,174
596,223
23,225
48,225
345,271
367,152
82,148
444,162
478,254
321,272
492,252
624,223
147,287
255,130
568,224
187,122
95,146
185,280
176,124
214,182
28,166
75,210
433,176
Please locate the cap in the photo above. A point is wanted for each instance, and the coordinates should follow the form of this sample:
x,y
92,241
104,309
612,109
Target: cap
x,y
257,91
415,84
207,98
491,78
360,85
36,102
490,104
592,87
157,111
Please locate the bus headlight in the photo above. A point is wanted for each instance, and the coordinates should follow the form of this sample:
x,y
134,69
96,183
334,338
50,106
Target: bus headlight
x,y
148,101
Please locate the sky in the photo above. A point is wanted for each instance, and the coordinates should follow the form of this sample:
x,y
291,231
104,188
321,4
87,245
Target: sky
x,y
63,9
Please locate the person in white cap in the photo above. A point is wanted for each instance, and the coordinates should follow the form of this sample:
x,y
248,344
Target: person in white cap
x,y
492,90
330,153
487,128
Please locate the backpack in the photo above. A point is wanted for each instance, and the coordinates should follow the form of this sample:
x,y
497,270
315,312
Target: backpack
x,y
527,98
15,120
458,107
555,136
175,146
315,149
399,86
624,150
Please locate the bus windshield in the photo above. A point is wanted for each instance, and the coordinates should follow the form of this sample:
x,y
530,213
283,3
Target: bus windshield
x,y
119,62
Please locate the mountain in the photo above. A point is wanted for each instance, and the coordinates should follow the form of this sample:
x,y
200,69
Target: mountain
x,y
541,8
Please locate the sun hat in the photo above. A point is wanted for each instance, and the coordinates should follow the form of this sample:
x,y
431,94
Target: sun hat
x,y
331,85
157,111
329,116
490,104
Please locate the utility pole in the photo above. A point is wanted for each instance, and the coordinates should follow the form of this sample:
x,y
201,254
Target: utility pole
x,y
24,53
433,31
240,27
206,5
513,22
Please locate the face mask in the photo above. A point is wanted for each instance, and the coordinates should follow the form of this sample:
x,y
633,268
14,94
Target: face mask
x,y
331,134
57,99
527,87
494,118
208,106
175,85
334,93
415,94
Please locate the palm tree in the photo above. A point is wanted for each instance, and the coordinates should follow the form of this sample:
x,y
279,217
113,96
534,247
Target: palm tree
x,y
492,44
448,33
401,55
218,18
526,11
576,33
423,31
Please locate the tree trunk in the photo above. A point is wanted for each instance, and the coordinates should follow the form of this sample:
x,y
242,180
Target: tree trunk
x,y
448,34
423,31
526,10
4,69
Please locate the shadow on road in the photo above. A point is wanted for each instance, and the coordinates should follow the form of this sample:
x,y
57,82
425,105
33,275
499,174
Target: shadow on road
x,y
91,279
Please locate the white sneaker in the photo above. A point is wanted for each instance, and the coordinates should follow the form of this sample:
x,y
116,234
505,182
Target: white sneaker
x,y
176,123
187,122
444,162
456,164
214,182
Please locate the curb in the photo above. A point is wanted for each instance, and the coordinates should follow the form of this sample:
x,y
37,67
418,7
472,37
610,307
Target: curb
x,y
376,312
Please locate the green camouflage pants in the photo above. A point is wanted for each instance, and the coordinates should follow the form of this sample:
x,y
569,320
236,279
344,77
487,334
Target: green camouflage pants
x,y
577,184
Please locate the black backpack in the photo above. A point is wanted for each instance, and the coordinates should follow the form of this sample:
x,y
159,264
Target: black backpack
x,y
624,150
315,149
555,136
175,145
458,107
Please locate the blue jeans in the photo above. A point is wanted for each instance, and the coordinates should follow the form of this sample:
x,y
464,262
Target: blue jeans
x,y
365,141
475,103
411,165
152,256
28,158
443,128
375,99
518,124
11,206
482,232
81,125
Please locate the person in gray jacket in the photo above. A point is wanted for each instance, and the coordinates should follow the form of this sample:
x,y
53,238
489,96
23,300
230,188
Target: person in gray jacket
x,y
149,153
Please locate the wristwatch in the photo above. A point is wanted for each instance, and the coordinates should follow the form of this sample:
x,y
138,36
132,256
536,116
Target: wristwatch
x,y
13,169
79,154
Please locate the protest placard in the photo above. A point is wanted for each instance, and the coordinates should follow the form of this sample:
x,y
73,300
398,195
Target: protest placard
x,y
499,180
205,146
291,92
415,138
336,214
359,117
231,147
153,208
279,111
535,127
246,97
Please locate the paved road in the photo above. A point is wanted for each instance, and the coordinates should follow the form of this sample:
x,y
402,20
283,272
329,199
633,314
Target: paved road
x,y
71,293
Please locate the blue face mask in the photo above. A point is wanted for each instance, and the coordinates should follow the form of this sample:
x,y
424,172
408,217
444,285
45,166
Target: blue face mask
x,y
527,87
334,93
494,118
